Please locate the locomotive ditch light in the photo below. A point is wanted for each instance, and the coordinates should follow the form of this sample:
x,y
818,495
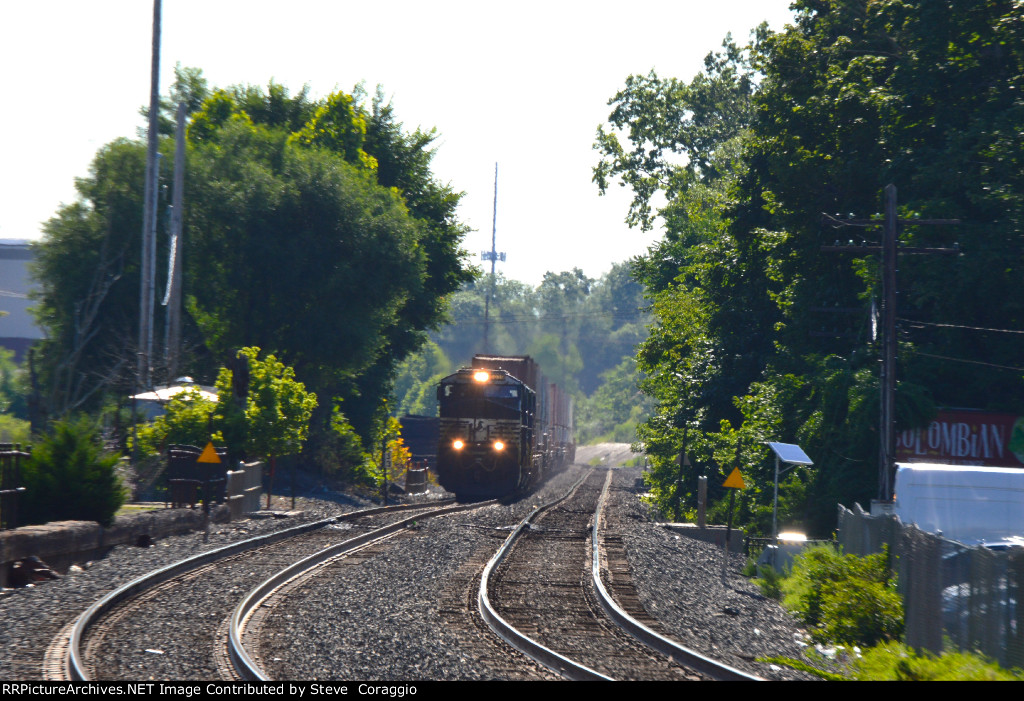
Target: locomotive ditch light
x,y
499,446
458,445
481,376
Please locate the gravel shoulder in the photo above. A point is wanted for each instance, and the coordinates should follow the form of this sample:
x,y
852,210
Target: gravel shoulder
x,y
679,582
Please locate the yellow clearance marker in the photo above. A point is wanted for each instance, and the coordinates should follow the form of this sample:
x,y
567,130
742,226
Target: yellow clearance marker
x,y
210,454
735,480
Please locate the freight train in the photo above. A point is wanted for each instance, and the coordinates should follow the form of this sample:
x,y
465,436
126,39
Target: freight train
x,y
503,427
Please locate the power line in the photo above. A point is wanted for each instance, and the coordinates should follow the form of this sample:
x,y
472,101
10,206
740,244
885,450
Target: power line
x,y
959,326
533,319
972,362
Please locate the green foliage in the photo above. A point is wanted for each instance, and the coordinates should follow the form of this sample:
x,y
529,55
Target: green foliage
x,y
615,409
895,661
370,470
769,581
315,230
845,598
15,430
13,386
338,125
804,667
581,331
187,420
667,116
760,333
416,380
69,477
273,421
277,411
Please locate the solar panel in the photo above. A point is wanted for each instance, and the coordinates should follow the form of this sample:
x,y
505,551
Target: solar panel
x,y
793,454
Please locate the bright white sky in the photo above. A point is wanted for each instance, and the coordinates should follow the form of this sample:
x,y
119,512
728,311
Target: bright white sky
x,y
522,84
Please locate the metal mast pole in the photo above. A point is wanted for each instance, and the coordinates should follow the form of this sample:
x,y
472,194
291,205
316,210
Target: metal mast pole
x,y
147,288
494,259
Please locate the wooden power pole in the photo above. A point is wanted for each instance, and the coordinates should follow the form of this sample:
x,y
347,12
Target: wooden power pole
x,y
887,381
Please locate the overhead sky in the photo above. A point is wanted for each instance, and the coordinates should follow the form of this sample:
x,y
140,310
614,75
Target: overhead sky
x,y
522,84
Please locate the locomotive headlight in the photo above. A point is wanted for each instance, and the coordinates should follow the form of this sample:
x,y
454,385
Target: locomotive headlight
x,y
458,445
499,446
481,376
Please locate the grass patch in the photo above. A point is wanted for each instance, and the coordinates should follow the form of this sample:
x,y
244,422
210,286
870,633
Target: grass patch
x,y
128,509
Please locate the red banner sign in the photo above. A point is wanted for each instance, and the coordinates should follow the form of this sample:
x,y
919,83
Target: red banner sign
x,y
965,438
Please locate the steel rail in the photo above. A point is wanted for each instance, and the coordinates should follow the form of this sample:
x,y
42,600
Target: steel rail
x,y
74,662
503,629
684,656
244,664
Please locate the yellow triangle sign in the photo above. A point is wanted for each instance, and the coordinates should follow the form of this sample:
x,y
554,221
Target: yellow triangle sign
x,y
735,480
209,454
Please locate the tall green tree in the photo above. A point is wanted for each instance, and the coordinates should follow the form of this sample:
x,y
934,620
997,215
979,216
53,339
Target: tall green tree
x,y
314,229
752,312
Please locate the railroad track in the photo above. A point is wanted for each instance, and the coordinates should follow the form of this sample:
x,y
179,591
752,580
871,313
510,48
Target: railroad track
x,y
168,638
575,578
534,593
254,607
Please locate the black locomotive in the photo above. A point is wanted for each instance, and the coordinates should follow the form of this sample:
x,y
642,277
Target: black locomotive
x,y
503,428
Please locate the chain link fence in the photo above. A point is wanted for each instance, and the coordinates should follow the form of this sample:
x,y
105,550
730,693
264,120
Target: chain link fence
x,y
953,595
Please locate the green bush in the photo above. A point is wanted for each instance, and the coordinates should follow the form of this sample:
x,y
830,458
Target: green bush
x,y
14,430
338,451
69,477
186,421
845,598
770,581
896,662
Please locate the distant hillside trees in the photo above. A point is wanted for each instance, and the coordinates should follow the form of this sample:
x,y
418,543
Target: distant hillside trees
x,y
582,331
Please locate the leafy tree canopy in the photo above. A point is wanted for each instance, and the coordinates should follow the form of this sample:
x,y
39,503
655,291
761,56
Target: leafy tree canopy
x,y
755,320
313,228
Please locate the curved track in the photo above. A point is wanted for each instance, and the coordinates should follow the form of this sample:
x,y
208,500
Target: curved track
x,y
558,590
536,596
243,660
90,647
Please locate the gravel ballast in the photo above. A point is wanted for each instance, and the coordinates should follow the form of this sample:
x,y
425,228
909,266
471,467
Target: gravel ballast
x,y
679,582
390,617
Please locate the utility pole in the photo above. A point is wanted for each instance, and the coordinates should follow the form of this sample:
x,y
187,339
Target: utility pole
x,y
172,299
493,256
147,292
887,381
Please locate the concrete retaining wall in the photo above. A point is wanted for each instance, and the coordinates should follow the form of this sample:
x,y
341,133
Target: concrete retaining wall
x,y
63,543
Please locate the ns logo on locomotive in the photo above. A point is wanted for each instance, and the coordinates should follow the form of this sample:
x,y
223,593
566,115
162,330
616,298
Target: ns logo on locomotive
x,y
503,428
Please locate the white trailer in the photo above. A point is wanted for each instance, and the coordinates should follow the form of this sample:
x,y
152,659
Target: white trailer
x,y
971,505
